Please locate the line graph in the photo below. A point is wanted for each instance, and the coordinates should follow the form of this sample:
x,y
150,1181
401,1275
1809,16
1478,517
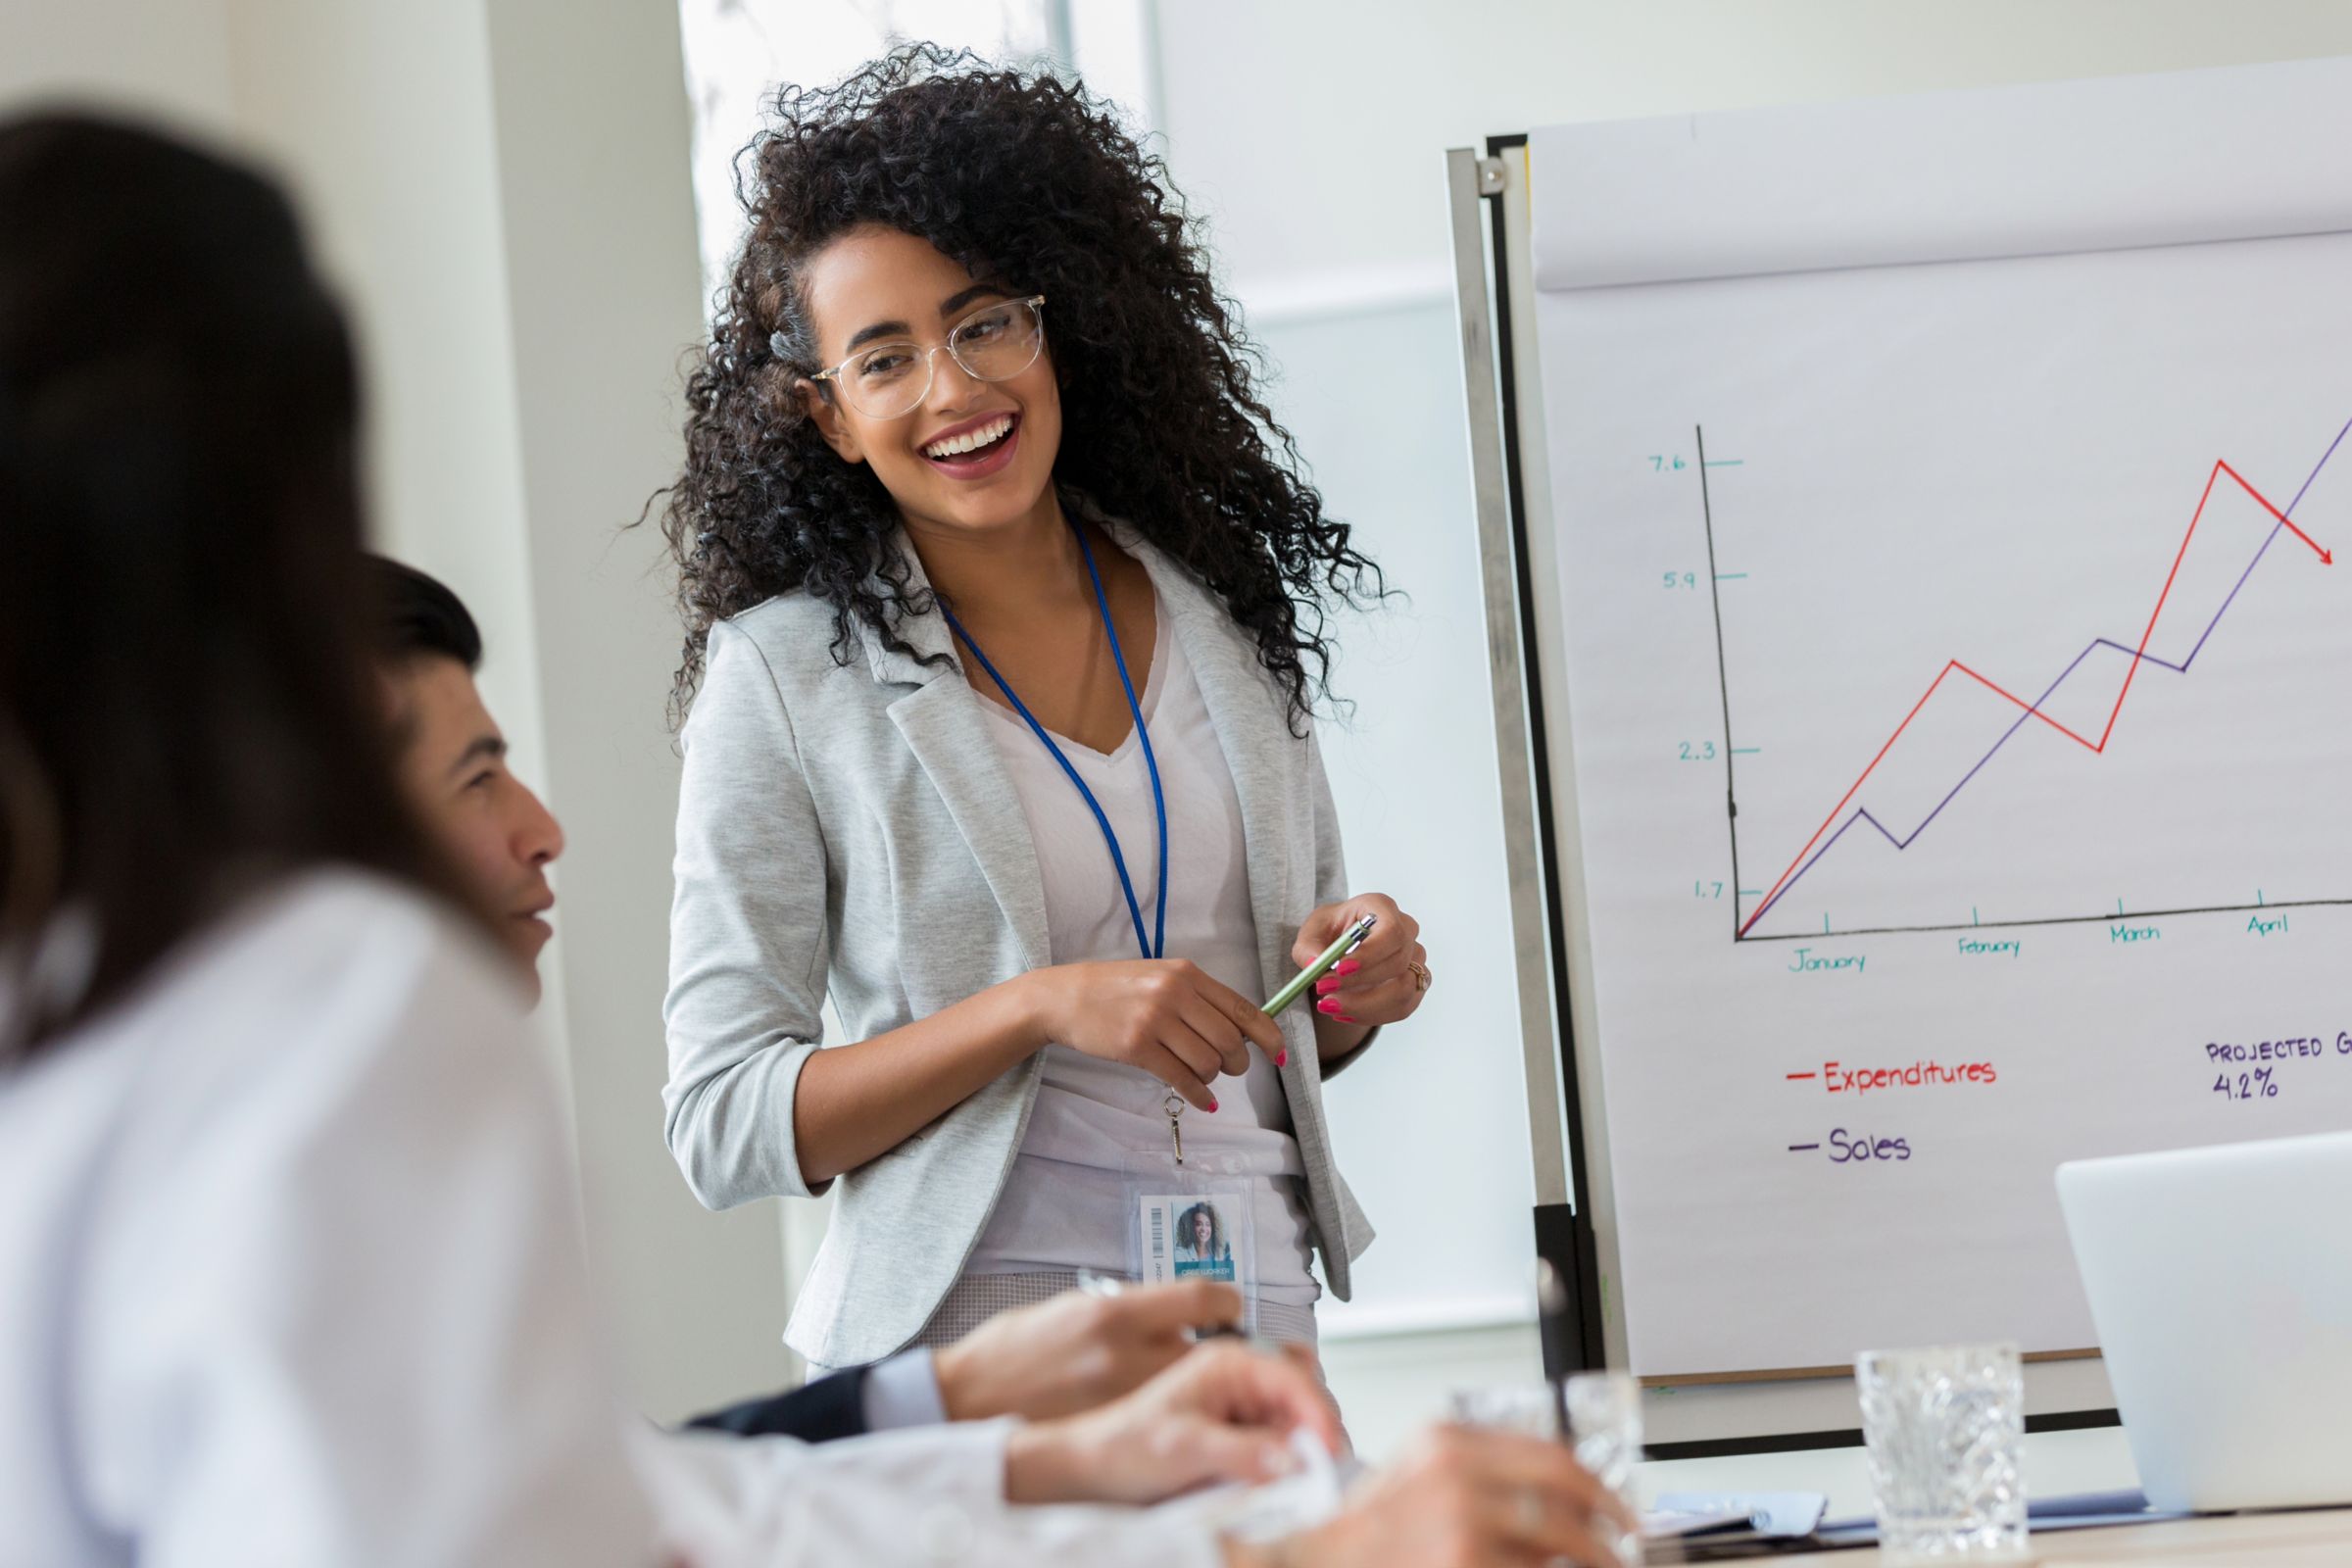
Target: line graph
x,y
1818,847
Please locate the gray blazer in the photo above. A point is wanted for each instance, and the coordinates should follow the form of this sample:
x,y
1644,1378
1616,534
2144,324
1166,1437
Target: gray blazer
x,y
852,832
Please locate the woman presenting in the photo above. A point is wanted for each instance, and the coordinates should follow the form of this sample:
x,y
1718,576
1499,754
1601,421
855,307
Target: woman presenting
x,y
1006,609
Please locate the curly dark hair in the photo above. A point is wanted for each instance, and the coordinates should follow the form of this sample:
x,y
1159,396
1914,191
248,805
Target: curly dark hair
x,y
1029,179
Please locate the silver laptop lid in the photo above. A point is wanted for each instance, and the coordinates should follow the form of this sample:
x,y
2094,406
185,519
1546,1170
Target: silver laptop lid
x,y
2221,1284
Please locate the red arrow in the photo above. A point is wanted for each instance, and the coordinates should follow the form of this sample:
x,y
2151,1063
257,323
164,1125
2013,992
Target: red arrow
x,y
2327,556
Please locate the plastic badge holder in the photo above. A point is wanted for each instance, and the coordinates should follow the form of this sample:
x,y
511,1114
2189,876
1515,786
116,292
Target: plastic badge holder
x,y
1190,1221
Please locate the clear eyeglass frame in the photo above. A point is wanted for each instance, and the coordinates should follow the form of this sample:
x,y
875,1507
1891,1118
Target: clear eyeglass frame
x,y
992,359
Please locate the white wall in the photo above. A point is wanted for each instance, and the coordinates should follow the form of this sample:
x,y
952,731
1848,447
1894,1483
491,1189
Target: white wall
x,y
603,281
160,58
1311,133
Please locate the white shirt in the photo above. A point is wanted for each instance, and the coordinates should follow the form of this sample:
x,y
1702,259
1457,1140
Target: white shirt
x,y
1065,1206
289,1278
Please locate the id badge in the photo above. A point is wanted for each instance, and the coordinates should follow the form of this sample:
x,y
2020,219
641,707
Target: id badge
x,y
1193,1221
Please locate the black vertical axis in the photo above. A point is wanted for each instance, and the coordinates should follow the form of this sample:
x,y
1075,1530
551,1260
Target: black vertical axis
x,y
1731,793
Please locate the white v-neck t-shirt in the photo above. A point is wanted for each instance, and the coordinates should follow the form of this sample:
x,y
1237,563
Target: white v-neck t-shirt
x,y
1065,1204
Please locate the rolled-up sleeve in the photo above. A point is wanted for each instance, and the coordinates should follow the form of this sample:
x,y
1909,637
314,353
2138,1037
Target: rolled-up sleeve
x,y
747,937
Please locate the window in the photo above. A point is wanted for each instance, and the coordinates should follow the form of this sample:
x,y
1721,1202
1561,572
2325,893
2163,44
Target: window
x,y
737,52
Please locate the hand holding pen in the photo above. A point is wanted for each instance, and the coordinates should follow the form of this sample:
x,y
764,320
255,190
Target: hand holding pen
x,y
1384,979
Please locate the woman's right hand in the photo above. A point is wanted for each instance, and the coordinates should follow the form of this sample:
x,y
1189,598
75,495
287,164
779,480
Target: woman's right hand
x,y
1168,1016
1464,1498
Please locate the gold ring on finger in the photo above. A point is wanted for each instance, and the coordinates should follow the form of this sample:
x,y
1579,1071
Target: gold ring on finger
x,y
1421,975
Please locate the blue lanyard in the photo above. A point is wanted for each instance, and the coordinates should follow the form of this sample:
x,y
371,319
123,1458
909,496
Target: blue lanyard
x,y
1158,943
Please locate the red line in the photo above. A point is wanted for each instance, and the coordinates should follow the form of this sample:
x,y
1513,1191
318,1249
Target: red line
x,y
1849,795
1796,1075
2211,478
2327,556
2149,630
2004,691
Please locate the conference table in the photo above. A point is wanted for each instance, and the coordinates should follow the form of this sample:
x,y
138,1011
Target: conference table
x,y
2306,1538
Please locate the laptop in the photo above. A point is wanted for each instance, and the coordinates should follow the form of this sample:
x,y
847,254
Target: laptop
x,y
2221,1284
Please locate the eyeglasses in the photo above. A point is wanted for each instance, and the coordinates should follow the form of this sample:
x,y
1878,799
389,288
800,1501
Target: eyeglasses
x,y
994,343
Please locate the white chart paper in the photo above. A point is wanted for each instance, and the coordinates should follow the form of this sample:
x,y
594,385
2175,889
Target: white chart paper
x,y
2009,601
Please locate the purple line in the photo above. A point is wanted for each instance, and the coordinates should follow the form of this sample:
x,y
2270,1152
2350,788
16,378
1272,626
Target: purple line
x,y
1862,813
2266,538
2180,668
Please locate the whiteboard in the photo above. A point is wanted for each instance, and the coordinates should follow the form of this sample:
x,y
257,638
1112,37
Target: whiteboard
x,y
2039,788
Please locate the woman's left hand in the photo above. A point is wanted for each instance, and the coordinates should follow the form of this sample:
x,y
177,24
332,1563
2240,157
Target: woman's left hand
x,y
1381,982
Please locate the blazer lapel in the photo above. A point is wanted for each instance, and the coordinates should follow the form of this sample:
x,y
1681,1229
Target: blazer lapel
x,y
1241,704
943,725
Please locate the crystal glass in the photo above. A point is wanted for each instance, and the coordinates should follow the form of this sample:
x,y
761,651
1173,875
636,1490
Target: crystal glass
x,y
1945,1428
1604,1413
1530,1409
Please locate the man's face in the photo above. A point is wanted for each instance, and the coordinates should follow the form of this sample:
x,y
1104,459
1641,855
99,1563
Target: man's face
x,y
452,765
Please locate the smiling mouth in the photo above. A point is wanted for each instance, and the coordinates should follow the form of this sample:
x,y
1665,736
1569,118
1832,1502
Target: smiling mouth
x,y
975,445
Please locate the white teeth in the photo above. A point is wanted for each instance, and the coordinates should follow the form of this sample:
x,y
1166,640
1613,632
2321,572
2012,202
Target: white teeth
x,y
994,430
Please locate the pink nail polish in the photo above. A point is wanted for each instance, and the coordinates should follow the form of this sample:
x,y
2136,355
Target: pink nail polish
x,y
1329,1004
1283,1059
1344,1019
1213,1108
1327,984
1346,967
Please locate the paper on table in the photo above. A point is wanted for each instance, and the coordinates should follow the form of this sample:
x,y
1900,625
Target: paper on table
x,y
1768,1513
1299,1501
